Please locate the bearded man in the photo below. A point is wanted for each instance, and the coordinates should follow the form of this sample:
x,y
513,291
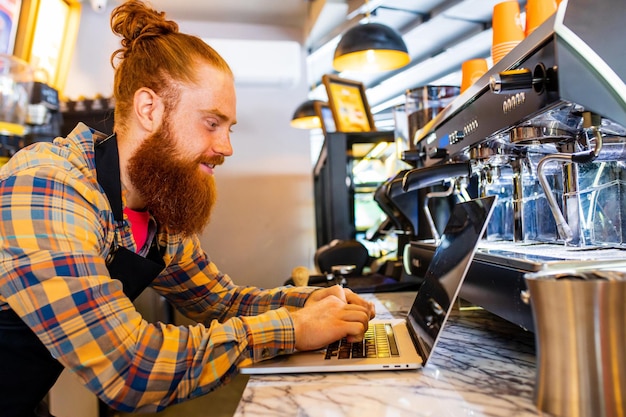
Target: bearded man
x,y
88,221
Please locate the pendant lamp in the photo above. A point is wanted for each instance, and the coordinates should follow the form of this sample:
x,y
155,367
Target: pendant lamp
x,y
305,116
370,47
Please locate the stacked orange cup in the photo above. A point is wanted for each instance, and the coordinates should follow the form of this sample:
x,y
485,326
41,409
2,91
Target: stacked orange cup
x,y
537,11
471,71
507,28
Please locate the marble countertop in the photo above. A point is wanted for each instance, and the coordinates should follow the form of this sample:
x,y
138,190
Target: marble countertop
x,y
482,366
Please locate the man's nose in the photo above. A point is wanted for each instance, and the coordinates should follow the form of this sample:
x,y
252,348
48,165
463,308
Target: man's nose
x,y
223,146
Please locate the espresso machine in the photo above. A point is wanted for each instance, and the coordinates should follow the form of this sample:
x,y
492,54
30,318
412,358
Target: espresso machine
x,y
16,80
44,117
545,130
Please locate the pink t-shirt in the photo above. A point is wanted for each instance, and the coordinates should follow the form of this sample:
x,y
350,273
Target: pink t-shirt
x,y
138,225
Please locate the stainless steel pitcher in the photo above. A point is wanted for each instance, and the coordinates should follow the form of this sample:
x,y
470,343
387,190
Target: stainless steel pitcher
x,y
580,334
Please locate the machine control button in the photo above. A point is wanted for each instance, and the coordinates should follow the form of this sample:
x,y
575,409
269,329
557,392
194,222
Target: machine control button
x,y
511,81
513,102
470,127
456,137
437,153
522,80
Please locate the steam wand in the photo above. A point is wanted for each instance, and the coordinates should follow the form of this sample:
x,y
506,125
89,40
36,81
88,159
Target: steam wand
x,y
429,216
591,122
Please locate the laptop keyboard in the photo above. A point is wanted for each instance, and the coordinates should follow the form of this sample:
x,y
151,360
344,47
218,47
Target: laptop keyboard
x,y
379,342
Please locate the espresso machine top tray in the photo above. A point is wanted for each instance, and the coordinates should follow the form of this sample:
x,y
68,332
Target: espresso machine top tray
x,y
536,257
550,257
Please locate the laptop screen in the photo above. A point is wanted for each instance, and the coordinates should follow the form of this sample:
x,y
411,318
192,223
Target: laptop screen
x,y
447,271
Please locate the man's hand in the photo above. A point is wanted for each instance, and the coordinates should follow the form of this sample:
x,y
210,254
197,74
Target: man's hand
x,y
330,314
344,294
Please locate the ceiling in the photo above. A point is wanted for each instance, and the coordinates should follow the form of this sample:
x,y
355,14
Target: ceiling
x,y
440,35
265,12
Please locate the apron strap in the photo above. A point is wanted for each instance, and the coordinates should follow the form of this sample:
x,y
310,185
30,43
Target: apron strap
x,y
133,270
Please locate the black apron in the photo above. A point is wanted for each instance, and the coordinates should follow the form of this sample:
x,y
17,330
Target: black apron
x,y
27,370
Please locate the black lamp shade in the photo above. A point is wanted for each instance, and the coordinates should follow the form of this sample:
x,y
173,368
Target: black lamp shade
x,y
305,116
370,47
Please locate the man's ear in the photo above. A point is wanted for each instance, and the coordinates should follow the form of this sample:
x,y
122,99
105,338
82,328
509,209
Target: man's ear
x,y
148,108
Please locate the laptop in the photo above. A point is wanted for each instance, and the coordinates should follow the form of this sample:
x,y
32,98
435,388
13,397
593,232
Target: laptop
x,y
407,343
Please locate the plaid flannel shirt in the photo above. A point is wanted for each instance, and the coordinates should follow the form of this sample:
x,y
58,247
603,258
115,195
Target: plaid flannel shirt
x,y
56,230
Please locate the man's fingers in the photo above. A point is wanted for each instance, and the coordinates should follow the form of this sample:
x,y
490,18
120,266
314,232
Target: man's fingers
x,y
343,294
356,332
340,292
355,314
353,298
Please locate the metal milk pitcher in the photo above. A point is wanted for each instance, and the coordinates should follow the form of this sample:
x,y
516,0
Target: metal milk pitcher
x,y
580,337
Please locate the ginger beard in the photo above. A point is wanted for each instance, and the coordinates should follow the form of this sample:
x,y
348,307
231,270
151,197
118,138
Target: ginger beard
x,y
175,191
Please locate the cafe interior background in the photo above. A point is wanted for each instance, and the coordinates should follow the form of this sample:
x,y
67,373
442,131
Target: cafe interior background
x,y
280,52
